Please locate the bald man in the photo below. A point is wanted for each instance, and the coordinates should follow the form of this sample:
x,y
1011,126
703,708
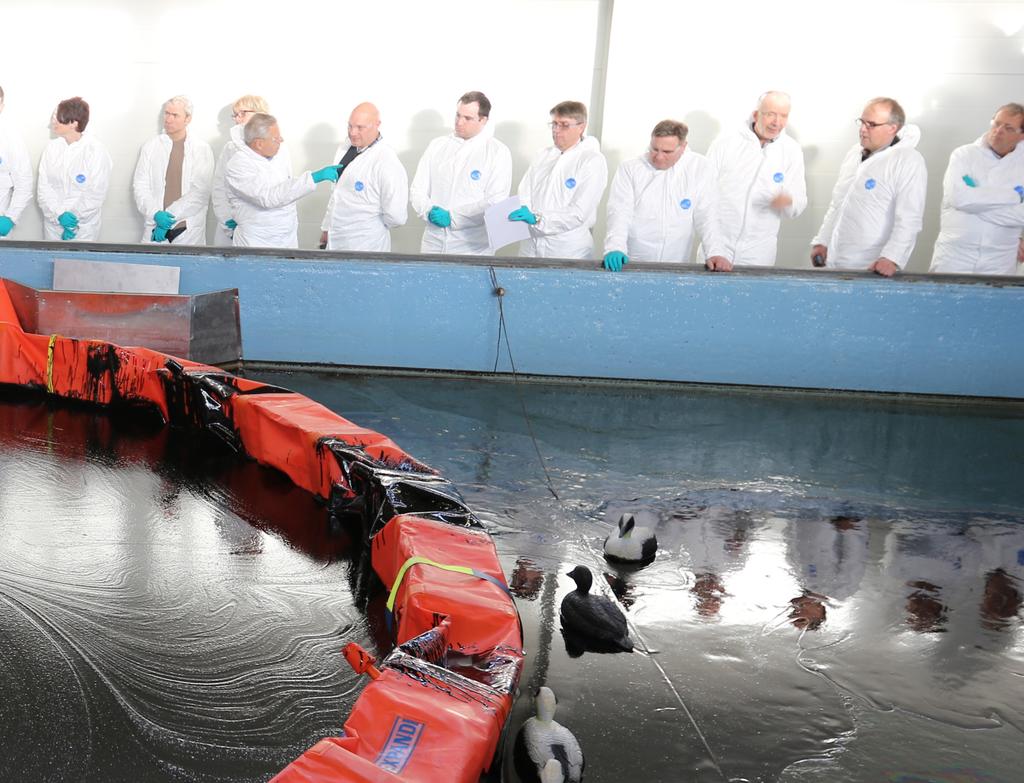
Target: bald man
x,y
372,192
760,181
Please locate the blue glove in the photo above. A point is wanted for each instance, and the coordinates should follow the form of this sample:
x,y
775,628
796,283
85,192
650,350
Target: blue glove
x,y
615,260
6,224
159,234
440,217
164,219
523,214
231,224
68,233
1019,190
969,181
68,220
326,173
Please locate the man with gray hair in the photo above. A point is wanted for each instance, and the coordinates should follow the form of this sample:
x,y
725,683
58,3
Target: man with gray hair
x,y
458,178
760,181
983,201
173,178
562,189
657,200
877,204
15,175
262,194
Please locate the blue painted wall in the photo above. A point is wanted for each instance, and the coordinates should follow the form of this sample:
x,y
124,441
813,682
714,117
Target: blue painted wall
x,y
814,329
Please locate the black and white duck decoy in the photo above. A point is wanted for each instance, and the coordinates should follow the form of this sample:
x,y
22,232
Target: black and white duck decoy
x,y
593,621
630,543
545,750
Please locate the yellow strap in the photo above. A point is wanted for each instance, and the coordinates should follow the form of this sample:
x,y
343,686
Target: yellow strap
x,y
49,363
421,561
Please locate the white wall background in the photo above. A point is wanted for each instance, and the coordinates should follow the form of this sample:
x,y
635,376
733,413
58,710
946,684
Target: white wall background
x,y
950,64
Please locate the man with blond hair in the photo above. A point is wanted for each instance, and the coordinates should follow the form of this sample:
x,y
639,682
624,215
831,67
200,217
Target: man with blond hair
x,y
173,178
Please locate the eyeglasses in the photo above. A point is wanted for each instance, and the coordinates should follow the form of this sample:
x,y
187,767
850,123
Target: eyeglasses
x,y
276,139
1006,127
563,125
872,125
242,113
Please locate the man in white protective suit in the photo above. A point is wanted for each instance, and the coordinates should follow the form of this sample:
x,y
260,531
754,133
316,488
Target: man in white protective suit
x,y
15,175
262,195
74,175
657,200
983,201
173,179
562,189
372,194
760,181
458,178
877,204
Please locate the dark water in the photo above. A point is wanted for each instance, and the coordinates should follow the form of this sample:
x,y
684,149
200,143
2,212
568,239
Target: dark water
x,y
837,595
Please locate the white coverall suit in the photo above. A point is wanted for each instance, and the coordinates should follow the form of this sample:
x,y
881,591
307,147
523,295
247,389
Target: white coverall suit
x,y
980,226
652,212
749,178
369,199
465,177
15,173
73,178
877,205
262,197
564,188
196,180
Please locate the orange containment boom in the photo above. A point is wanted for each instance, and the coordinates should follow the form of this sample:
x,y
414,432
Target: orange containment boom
x,y
434,709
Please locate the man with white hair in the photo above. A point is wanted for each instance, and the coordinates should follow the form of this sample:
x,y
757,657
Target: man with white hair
x,y
877,204
262,194
458,178
760,181
983,201
173,178
15,175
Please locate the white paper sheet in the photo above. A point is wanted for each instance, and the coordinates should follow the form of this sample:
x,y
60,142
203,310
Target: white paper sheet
x,y
500,230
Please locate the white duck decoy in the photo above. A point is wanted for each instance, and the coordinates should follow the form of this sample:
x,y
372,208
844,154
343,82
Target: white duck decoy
x,y
594,622
546,751
630,544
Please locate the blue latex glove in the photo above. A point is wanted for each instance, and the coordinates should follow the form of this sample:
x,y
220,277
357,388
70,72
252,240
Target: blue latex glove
x,y
615,260
440,217
68,220
1019,190
231,224
159,234
523,214
326,173
68,233
164,219
969,181
6,224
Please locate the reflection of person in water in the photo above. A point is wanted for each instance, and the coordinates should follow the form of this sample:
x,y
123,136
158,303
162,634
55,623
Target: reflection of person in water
x,y
808,610
527,580
709,591
925,612
715,541
1001,601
